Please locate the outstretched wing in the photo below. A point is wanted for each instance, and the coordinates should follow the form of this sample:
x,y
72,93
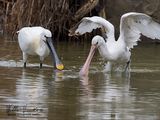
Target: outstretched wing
x,y
87,24
134,24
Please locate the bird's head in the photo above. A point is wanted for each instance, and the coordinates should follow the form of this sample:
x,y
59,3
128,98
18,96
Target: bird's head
x,y
98,41
46,34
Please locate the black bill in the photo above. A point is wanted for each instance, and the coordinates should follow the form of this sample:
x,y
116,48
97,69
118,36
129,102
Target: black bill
x,y
57,63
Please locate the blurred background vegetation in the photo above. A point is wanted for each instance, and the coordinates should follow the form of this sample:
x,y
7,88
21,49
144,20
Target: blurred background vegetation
x,y
61,15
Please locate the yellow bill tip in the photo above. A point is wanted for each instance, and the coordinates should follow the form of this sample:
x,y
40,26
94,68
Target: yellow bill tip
x,y
60,66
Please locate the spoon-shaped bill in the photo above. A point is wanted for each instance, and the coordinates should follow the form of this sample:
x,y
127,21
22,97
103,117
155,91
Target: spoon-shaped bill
x,y
57,63
85,68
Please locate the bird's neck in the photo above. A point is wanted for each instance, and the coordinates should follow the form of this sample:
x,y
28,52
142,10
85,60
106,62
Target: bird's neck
x,y
103,50
42,50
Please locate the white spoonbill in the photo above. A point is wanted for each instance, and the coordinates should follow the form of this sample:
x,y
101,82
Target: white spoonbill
x,y
132,25
37,41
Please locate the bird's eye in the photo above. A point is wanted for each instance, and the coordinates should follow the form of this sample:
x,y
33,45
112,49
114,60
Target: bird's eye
x,y
45,36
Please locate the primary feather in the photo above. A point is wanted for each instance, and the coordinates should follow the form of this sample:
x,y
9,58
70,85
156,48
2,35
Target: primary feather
x,y
134,24
88,24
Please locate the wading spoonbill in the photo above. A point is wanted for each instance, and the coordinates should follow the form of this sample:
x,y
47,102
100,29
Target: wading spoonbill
x,y
132,25
37,41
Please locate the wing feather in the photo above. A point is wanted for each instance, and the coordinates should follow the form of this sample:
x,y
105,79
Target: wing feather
x,y
133,24
88,24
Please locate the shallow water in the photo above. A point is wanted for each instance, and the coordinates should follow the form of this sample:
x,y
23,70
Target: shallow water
x,y
47,94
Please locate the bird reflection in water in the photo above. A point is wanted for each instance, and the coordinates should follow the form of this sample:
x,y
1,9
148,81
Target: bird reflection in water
x,y
58,75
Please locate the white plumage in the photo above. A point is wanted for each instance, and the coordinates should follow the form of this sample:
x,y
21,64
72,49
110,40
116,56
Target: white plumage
x,y
132,25
37,41
30,42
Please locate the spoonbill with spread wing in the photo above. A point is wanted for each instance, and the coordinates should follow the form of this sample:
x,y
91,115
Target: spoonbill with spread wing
x,y
132,25
37,41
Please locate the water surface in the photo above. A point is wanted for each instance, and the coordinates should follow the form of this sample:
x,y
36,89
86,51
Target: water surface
x,y
34,93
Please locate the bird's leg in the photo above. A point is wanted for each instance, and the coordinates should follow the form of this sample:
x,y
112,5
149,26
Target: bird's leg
x,y
127,65
24,65
41,61
40,64
25,56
